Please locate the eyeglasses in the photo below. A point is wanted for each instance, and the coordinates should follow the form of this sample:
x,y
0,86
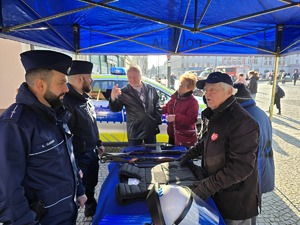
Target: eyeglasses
x,y
182,85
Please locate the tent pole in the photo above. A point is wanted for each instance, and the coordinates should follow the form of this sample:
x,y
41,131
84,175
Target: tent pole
x,y
274,86
195,15
279,30
76,39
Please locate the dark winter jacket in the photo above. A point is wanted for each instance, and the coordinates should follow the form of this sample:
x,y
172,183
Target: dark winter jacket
x,y
265,158
82,123
229,156
279,93
36,163
142,121
186,110
252,86
295,76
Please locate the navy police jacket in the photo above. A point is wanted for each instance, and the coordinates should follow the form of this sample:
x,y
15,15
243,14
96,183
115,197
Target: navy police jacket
x,y
36,163
82,124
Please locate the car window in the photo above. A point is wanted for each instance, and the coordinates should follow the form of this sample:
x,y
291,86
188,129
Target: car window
x,y
101,89
163,97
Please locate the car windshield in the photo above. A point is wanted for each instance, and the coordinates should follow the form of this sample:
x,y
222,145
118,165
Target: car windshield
x,y
101,89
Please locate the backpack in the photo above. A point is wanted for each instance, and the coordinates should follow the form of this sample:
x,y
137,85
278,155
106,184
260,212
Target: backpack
x,y
280,93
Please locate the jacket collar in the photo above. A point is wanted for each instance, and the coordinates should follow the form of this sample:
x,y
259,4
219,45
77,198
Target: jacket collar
x,y
247,103
209,113
75,95
27,98
185,95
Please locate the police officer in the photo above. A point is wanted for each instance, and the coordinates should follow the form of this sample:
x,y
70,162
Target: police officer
x,y
86,142
38,175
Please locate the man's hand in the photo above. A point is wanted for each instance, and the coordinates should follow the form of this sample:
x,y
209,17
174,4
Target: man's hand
x,y
81,200
100,151
115,92
201,190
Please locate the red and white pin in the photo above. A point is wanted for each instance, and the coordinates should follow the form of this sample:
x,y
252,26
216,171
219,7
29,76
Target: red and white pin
x,y
214,136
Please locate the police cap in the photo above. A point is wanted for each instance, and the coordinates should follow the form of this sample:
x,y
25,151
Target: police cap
x,y
36,59
81,67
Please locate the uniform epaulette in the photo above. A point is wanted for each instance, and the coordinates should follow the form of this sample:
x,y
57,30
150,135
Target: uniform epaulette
x,y
13,113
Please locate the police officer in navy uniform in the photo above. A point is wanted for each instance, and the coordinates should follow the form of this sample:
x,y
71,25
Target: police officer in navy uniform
x,y
38,174
83,125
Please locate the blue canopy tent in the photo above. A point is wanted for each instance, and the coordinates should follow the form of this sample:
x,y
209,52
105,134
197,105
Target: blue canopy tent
x,y
184,27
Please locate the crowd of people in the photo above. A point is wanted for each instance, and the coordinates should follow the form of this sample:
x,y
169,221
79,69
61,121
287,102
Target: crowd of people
x,y
52,128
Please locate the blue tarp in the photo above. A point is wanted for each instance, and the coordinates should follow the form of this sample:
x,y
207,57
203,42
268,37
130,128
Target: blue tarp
x,y
186,27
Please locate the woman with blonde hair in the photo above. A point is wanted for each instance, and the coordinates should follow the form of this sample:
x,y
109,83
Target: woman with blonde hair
x,y
182,112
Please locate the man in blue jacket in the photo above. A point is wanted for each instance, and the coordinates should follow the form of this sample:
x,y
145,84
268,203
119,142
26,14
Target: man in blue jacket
x,y
265,159
83,125
38,175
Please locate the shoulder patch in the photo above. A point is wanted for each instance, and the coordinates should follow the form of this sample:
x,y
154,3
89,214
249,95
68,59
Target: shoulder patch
x,y
13,113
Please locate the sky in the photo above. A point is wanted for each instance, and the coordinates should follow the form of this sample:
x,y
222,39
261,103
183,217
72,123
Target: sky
x,y
156,59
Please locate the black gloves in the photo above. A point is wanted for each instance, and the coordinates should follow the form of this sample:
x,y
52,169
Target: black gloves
x,y
201,190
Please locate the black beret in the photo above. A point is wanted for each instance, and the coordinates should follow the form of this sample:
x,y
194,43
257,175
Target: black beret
x,y
81,67
36,59
213,78
242,92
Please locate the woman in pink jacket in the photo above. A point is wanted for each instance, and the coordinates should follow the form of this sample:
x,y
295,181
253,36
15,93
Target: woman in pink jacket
x,y
182,112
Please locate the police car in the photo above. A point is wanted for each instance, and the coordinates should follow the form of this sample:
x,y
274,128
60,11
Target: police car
x,y
112,125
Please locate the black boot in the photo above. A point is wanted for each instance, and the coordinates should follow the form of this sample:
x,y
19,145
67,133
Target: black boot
x,y
279,112
90,208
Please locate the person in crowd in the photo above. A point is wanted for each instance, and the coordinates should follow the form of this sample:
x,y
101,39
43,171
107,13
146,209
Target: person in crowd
x,y
38,173
172,81
182,109
279,94
83,126
265,158
143,112
229,159
241,79
271,77
295,76
252,86
283,76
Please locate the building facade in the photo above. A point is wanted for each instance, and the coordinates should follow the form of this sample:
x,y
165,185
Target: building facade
x,y
262,64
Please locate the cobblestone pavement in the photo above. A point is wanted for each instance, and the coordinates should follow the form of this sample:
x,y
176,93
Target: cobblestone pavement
x,y
282,206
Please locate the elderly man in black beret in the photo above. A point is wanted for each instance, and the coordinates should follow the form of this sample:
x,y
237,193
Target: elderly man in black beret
x,y
38,174
228,148
83,125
